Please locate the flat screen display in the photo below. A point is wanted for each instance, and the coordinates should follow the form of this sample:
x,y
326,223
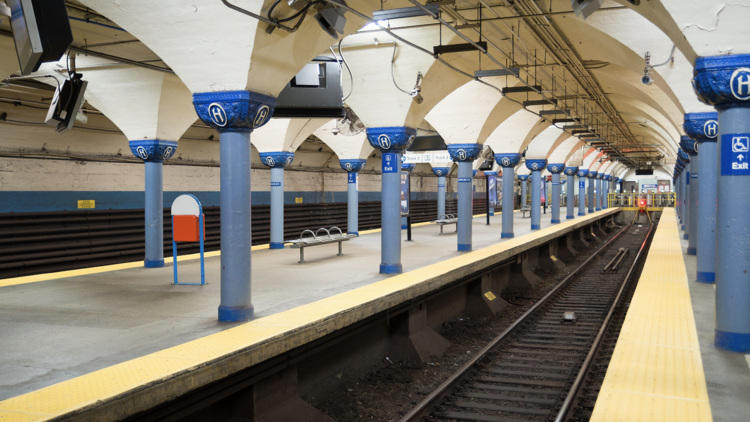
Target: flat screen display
x,y
25,34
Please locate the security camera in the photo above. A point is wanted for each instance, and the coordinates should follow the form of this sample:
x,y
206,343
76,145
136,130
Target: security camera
x,y
647,80
335,131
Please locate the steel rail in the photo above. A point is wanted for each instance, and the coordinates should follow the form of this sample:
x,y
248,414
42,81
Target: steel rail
x,y
563,413
421,409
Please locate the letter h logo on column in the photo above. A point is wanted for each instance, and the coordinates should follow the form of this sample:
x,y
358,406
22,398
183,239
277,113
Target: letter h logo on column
x,y
740,83
711,128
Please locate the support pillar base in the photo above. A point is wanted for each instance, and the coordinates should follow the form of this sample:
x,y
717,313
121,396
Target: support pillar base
x,y
464,248
507,235
734,342
276,245
535,227
153,263
555,221
691,251
235,314
391,269
706,277
412,340
570,217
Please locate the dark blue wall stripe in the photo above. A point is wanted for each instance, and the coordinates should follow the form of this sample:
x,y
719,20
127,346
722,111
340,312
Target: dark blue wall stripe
x,y
44,201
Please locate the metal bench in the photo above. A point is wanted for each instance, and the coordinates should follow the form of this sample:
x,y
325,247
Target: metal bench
x,y
445,219
306,242
525,210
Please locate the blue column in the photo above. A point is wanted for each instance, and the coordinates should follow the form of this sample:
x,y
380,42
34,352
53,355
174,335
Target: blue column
x,y
689,146
704,128
605,191
724,82
571,173
598,192
686,203
391,142
508,162
464,154
235,114
153,153
440,172
523,178
352,167
277,161
592,190
556,169
536,167
582,176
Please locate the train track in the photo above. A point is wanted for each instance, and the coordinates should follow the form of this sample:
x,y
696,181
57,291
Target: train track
x,y
536,368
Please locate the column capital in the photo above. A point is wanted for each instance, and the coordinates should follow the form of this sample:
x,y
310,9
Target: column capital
x,y
688,145
523,177
391,139
583,172
408,167
507,160
591,175
607,177
600,175
440,171
571,171
536,165
153,150
279,159
233,111
723,81
464,152
702,127
556,168
351,165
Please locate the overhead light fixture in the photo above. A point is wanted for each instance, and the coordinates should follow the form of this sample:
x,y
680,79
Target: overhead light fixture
x,y
459,48
586,7
406,12
514,71
551,101
332,20
567,120
553,112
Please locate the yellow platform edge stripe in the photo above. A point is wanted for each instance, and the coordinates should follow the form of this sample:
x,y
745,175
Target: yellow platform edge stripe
x,y
209,358
656,372
138,264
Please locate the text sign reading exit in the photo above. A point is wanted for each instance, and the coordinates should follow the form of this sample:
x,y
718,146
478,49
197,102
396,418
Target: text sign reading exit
x,y
391,164
735,154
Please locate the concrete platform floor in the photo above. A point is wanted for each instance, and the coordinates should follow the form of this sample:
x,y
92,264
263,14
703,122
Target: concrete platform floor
x,y
59,329
727,373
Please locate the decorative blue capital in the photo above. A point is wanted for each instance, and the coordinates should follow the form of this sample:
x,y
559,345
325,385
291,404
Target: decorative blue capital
x,y
523,177
682,155
570,171
702,127
391,138
278,159
607,177
408,167
556,168
464,152
583,172
723,81
688,145
229,111
599,175
153,151
352,164
474,173
490,173
507,160
536,165
440,171
591,175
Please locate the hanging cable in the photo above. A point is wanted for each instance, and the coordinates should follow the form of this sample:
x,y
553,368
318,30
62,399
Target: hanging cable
x,y
348,69
393,77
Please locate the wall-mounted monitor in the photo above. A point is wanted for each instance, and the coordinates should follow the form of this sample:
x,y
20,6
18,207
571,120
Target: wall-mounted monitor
x,y
314,92
41,32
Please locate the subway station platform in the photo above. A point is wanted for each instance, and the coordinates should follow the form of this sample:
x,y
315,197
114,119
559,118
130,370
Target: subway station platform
x,y
665,367
115,328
